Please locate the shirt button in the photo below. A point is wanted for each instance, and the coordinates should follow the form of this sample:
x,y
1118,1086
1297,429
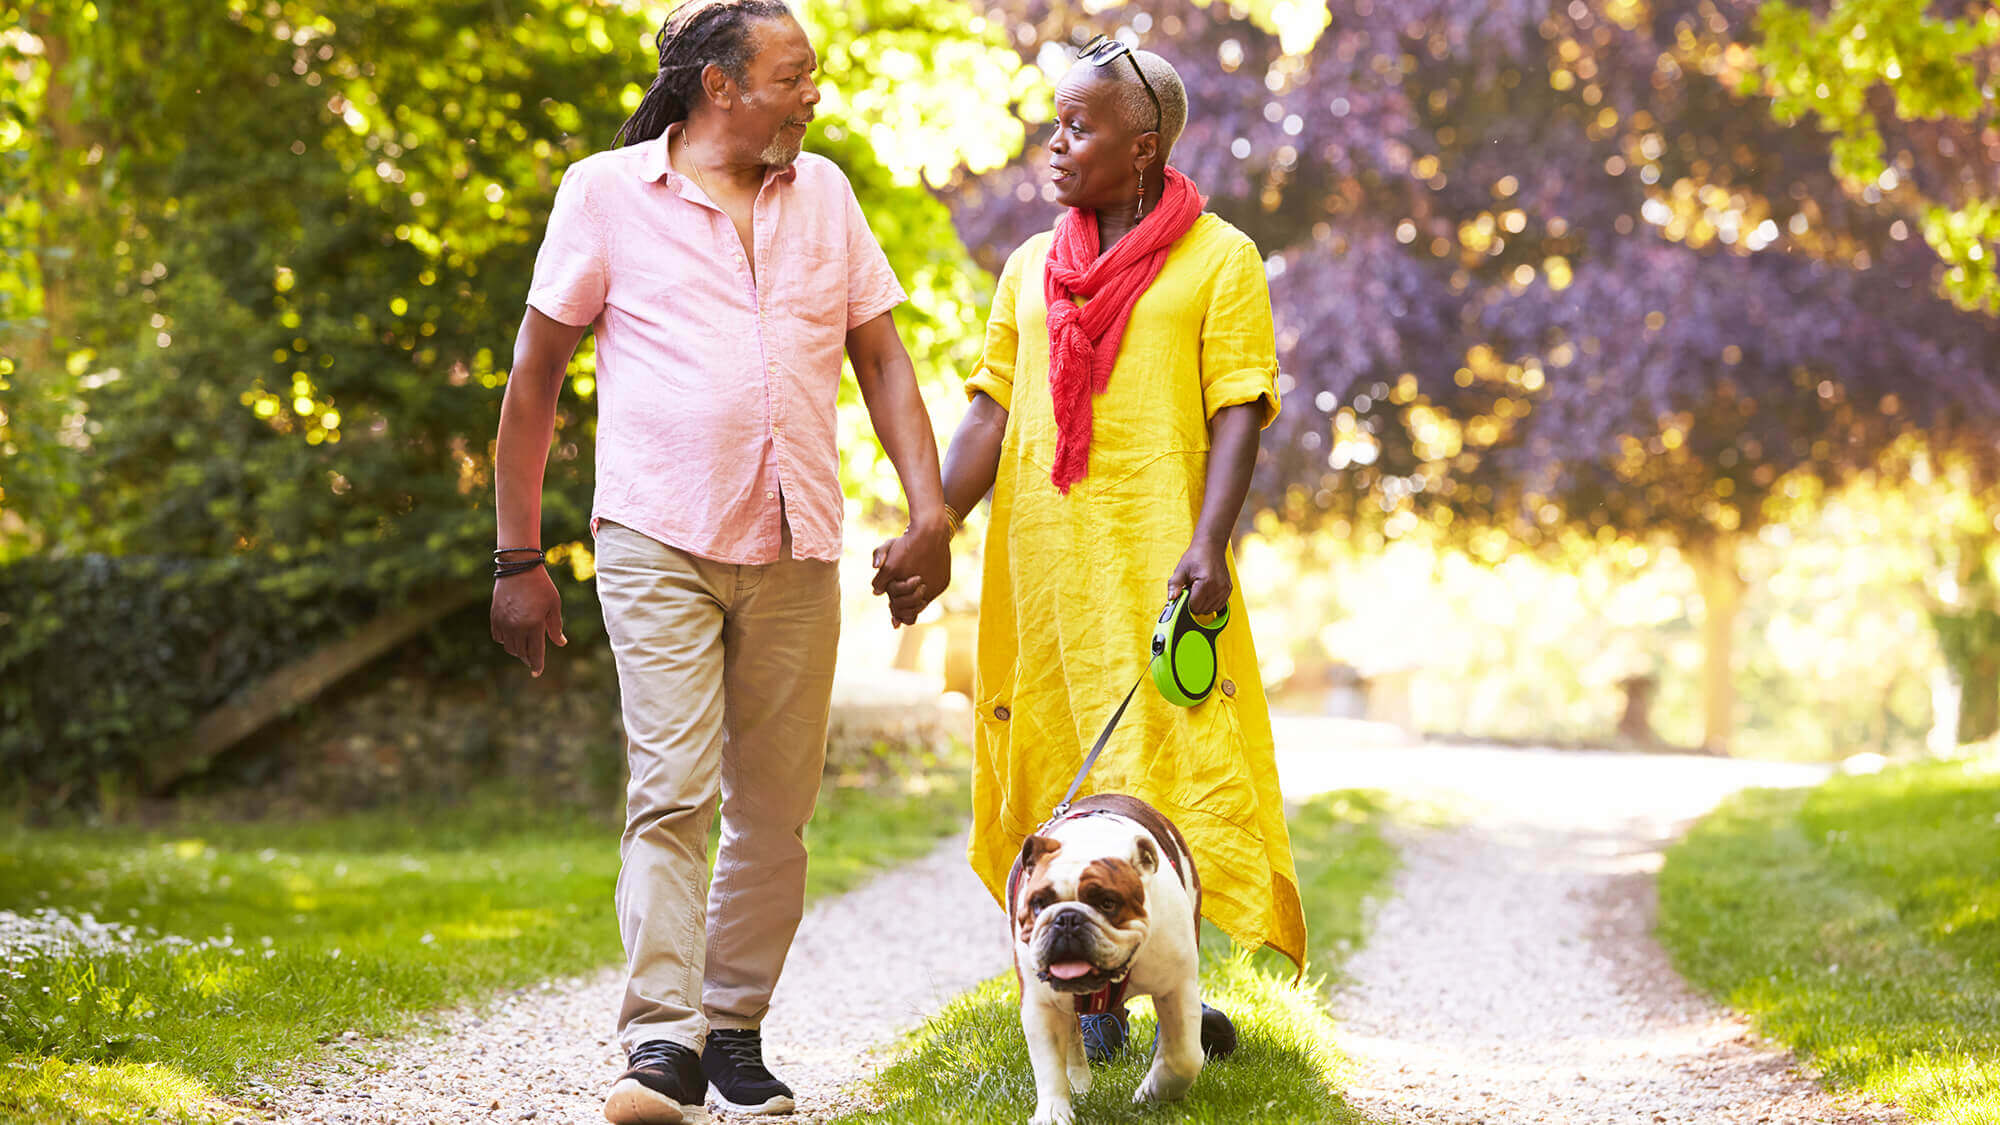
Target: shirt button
x,y
770,496
1002,714
1229,688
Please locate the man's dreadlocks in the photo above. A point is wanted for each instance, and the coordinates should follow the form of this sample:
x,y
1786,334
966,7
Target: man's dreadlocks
x,y
696,34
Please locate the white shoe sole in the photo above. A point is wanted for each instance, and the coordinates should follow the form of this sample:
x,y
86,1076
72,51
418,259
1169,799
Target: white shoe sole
x,y
632,1102
779,1104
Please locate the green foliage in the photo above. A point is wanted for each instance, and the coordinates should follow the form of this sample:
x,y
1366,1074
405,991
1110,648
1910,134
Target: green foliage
x,y
103,660
1859,923
1933,69
283,248
214,952
1285,1068
275,256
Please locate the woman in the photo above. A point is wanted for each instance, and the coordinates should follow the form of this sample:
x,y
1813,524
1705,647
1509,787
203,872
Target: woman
x,y
1118,439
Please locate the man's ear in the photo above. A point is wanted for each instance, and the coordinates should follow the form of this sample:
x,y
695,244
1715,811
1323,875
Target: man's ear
x,y
718,87
1149,858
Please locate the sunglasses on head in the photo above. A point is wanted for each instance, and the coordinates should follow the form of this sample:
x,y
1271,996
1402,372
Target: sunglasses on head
x,y
1103,49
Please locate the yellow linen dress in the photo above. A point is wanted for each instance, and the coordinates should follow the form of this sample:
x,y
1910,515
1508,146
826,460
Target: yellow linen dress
x,y
1074,583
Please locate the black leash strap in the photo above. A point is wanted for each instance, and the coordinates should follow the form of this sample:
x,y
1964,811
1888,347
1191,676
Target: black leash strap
x,y
1062,809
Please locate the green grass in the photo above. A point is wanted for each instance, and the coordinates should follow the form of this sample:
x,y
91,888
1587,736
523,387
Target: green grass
x,y
1858,923
253,943
970,1063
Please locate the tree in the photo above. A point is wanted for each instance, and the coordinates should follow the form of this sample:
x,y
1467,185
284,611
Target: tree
x,y
1544,275
1883,75
278,252
1908,97
283,248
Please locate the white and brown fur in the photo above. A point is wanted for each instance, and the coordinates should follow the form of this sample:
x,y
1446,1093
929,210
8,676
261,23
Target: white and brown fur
x,y
1127,878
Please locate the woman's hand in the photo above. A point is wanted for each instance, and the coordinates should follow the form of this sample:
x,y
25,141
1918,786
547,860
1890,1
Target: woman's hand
x,y
913,569
1204,572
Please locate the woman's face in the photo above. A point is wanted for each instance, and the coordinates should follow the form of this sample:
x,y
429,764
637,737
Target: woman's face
x,y
1095,155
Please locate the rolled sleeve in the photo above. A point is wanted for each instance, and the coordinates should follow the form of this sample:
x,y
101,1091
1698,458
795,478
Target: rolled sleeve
x,y
872,288
1239,349
994,375
569,284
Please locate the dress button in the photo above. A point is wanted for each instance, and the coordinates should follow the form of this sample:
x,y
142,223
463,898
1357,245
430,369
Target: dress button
x,y
1229,688
1001,713
770,496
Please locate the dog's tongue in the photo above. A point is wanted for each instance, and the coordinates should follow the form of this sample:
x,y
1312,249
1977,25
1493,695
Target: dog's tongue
x,y
1070,970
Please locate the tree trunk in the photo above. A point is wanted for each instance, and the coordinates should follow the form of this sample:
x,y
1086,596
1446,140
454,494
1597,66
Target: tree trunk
x,y
1969,640
1721,587
284,690
1635,724
67,195
1979,697
1966,616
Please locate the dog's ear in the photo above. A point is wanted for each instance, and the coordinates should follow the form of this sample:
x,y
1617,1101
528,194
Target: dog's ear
x,y
1149,856
1034,849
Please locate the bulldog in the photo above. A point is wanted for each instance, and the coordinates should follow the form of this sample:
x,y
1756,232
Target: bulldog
x,y
1104,896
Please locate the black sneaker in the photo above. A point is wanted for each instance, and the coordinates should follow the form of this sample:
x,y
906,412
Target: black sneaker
x,y
661,1082
1218,1035
734,1060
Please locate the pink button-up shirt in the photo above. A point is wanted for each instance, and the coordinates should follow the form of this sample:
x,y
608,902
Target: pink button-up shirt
x,y
716,390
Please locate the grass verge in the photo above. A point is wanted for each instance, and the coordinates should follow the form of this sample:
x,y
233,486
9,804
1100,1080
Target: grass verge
x,y
970,1063
1859,923
146,970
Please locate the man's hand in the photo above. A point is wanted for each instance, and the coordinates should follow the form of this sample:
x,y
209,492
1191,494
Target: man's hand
x,y
527,612
913,569
1204,571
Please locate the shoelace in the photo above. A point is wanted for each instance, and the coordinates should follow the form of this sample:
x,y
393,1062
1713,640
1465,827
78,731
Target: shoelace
x,y
655,1052
746,1052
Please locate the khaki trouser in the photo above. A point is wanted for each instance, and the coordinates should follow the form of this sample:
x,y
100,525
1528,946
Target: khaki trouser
x,y
726,676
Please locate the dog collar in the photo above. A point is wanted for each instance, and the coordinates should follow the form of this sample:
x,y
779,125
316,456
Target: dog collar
x,y
1173,854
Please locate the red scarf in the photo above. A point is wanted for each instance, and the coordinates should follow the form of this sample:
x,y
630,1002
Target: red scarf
x,y
1083,342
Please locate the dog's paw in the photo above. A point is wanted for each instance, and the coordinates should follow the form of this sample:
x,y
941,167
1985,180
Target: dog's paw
x,y
1053,1113
1161,1086
1080,1079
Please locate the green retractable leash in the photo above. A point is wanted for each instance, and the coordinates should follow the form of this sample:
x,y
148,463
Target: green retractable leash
x,y
1183,667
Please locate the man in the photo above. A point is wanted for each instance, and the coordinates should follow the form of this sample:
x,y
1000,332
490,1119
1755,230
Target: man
x,y
723,274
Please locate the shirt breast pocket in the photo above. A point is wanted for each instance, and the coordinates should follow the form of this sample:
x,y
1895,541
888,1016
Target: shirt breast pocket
x,y
813,273
649,285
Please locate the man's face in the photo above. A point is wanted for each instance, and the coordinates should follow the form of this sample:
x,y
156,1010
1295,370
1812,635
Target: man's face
x,y
776,103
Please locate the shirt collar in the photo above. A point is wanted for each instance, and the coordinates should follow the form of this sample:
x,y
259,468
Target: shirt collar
x,y
655,165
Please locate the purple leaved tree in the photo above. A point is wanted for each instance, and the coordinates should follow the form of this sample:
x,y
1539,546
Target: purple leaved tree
x,y
1543,273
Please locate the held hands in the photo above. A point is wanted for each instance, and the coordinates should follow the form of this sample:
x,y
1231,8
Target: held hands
x,y
527,612
1204,571
912,569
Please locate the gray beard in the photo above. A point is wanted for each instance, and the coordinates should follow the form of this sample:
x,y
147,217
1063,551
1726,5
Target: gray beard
x,y
780,153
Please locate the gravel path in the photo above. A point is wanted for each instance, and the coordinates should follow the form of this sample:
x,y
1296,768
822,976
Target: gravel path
x,y
1513,977
545,1053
